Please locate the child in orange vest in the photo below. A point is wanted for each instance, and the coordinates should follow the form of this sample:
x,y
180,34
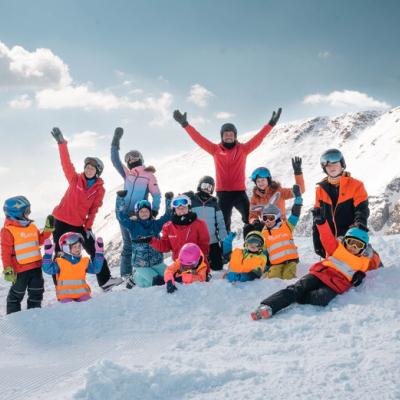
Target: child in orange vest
x,y
70,267
188,268
20,253
248,263
343,267
278,235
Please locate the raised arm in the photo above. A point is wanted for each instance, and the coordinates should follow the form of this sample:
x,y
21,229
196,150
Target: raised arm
x,y
328,240
115,159
67,166
296,208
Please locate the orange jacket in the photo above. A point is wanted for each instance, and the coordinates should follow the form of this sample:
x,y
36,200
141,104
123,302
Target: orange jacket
x,y
242,262
173,273
13,235
261,199
71,280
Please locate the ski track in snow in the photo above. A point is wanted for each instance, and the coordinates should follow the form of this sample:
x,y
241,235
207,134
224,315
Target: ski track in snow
x,y
200,343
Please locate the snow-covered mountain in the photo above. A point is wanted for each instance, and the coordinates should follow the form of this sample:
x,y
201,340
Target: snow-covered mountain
x,y
370,142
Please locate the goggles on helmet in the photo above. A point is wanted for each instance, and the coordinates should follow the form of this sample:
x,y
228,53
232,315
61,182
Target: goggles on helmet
x,y
269,217
355,243
206,187
331,157
73,238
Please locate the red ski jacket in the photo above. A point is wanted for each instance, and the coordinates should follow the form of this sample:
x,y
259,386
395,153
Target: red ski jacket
x,y
79,205
230,164
173,237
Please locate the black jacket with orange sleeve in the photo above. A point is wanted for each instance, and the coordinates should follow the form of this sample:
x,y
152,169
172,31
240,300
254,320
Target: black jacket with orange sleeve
x,y
343,205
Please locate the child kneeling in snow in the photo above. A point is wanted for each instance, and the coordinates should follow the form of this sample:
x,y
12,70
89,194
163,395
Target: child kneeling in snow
x,y
70,267
248,263
188,268
278,235
343,267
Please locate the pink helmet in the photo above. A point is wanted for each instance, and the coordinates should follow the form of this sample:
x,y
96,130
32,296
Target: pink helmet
x,y
189,255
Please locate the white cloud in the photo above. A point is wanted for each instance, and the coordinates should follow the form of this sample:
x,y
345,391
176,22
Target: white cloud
x,y
4,170
136,91
22,102
199,95
324,54
224,115
37,69
199,121
86,139
162,79
346,98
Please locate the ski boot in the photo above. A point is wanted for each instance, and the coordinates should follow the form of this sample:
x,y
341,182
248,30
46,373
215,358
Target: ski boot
x,y
262,312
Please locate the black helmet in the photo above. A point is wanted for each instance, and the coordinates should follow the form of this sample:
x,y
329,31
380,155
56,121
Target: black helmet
x,y
332,156
207,181
228,127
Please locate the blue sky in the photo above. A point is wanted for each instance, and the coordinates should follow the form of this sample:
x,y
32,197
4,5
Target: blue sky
x,y
131,63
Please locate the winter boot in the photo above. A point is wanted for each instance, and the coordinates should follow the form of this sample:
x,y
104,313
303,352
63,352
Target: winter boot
x,y
262,312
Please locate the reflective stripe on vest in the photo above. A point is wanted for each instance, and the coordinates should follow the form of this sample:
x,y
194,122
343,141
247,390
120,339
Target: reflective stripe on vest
x,y
280,245
346,263
244,264
26,243
71,282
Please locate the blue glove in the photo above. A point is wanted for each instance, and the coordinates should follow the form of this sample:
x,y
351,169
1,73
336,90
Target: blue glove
x,y
227,243
171,287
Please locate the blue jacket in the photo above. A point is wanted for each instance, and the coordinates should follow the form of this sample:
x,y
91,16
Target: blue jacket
x,y
143,255
52,268
139,182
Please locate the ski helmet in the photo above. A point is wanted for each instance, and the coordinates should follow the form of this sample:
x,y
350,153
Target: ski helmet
x,y
68,239
134,155
332,156
261,172
254,237
228,127
17,207
271,209
95,162
181,200
357,233
189,256
142,204
206,184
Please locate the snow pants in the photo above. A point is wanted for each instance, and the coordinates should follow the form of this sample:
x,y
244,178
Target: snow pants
x,y
149,276
215,257
126,253
62,227
31,281
237,199
308,290
282,271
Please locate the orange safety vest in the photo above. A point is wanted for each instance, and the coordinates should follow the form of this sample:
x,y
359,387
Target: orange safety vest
x,y
26,243
71,280
346,263
241,264
280,244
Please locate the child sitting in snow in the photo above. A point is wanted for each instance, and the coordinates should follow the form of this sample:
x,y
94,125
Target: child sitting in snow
x,y
278,235
248,263
70,267
188,268
142,227
344,266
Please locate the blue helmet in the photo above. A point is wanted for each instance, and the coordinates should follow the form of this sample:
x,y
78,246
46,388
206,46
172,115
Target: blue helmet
x,y
260,172
359,234
17,207
142,204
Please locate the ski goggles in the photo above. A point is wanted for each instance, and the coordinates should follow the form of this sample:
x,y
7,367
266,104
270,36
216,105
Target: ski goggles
x,y
355,243
73,238
269,217
180,202
188,268
206,187
331,157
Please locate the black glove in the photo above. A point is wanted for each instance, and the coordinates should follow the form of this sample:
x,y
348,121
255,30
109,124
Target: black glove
x,y
357,278
296,191
181,118
258,225
122,193
154,213
275,117
169,195
58,136
171,287
296,163
143,239
319,215
117,137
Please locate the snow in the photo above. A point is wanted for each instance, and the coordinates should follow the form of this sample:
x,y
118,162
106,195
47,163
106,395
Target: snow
x,y
200,343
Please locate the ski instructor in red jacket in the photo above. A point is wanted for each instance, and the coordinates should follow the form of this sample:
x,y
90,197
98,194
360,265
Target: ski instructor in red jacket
x,y
230,163
79,205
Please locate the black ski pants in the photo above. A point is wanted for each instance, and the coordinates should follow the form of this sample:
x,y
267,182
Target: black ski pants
x,y
31,281
215,257
308,290
237,199
62,227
